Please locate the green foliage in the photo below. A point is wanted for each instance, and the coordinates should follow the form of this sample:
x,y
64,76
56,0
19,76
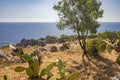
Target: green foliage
x,y
34,62
80,16
19,52
25,58
35,67
29,72
53,78
62,35
91,47
68,37
118,43
118,59
109,36
73,37
103,46
108,47
19,69
73,76
52,37
33,70
61,68
78,12
47,69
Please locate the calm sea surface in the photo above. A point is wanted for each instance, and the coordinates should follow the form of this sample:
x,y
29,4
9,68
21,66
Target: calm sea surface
x,y
11,33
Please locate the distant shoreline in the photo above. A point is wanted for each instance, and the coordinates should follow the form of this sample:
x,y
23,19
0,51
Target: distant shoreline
x,y
11,32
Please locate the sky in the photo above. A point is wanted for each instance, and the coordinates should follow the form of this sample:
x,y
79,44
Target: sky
x,y
41,11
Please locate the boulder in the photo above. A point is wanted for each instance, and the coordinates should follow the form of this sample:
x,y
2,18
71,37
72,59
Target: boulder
x,y
31,42
49,40
22,43
36,52
43,49
26,42
41,43
61,40
53,49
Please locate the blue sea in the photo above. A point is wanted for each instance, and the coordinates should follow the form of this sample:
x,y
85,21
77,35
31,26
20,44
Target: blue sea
x,y
12,33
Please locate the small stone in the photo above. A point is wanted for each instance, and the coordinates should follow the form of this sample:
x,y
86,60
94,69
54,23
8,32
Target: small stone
x,y
53,49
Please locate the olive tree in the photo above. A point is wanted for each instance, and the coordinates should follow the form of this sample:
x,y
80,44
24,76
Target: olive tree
x,y
80,16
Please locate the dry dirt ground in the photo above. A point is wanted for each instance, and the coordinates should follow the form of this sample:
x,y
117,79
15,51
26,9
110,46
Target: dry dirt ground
x,y
102,67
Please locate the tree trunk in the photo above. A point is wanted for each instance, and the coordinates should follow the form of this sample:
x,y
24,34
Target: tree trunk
x,y
85,54
83,46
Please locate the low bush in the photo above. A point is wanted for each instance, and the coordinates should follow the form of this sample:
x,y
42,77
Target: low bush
x,y
91,49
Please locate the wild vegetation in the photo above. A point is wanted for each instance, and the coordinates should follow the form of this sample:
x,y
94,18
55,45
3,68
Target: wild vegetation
x,y
80,16
34,60
33,69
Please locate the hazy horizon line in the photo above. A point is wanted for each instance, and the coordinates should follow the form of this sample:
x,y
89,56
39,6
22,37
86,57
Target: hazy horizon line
x,y
40,21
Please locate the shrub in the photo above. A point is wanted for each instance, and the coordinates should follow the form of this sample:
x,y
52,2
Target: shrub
x,y
73,37
109,36
62,35
92,50
52,37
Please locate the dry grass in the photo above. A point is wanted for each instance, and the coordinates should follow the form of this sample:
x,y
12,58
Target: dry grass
x,y
102,67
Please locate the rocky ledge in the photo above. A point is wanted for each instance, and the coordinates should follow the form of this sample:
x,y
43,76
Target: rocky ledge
x,y
43,41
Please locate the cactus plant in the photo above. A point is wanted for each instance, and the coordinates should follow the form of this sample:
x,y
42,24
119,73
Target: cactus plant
x,y
34,62
34,72
61,67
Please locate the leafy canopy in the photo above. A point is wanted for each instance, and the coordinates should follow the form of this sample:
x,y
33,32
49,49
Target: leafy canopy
x,y
79,15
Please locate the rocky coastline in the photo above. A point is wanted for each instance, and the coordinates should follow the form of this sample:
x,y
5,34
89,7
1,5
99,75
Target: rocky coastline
x,y
42,43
